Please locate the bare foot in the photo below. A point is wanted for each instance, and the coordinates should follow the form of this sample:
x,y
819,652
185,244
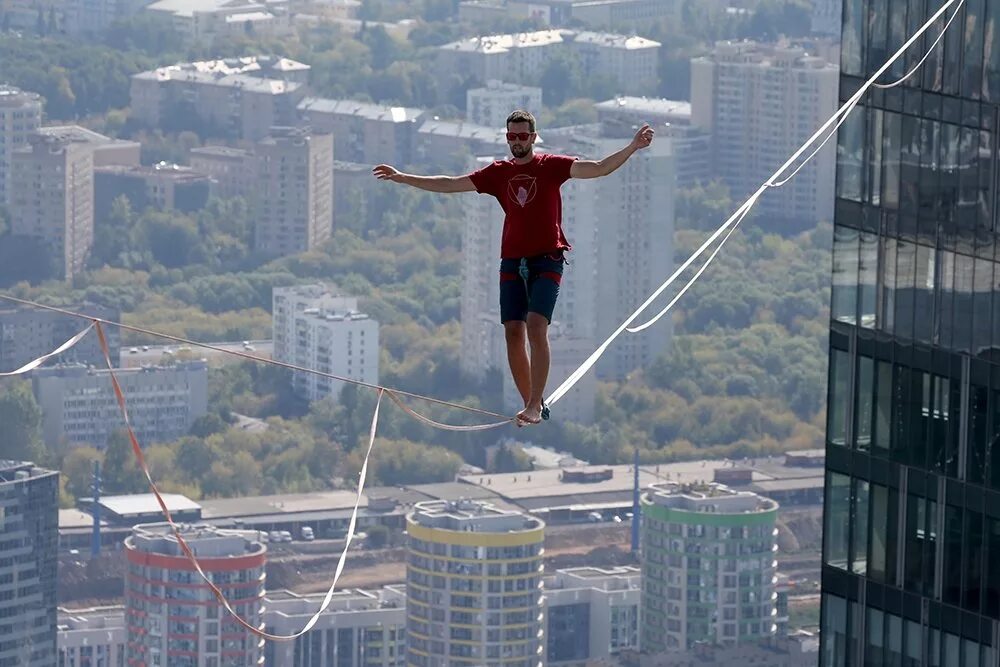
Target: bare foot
x,y
531,414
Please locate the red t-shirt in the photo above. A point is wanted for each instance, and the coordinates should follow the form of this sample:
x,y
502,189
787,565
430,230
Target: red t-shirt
x,y
529,196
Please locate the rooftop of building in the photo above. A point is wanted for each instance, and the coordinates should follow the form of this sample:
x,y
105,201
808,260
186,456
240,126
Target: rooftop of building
x,y
655,106
174,172
145,503
491,44
496,85
205,540
247,73
11,96
570,485
750,53
79,134
625,577
708,497
462,130
368,110
188,8
90,618
17,471
289,604
221,151
471,516
76,369
615,41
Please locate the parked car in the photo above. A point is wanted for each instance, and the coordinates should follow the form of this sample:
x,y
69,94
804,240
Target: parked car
x,y
307,534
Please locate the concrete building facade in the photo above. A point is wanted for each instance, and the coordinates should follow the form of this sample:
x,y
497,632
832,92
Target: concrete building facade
x,y
474,586
362,131
708,566
591,614
490,105
27,333
208,21
107,151
20,116
315,328
760,103
232,170
79,405
52,199
294,191
359,629
172,615
29,506
92,636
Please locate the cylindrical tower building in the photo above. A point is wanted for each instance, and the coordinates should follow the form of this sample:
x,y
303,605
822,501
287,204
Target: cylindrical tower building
x,y
173,618
708,566
474,586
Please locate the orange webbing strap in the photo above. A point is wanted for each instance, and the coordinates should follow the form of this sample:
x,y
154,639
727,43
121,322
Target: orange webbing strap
x,y
32,365
137,450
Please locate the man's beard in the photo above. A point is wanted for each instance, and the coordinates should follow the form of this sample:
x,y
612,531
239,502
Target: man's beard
x,y
519,151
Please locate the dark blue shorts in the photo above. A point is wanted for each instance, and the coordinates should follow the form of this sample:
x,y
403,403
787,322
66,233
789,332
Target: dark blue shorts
x,y
538,295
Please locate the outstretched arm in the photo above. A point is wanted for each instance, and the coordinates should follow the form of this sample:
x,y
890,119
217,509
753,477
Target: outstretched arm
x,y
597,168
384,172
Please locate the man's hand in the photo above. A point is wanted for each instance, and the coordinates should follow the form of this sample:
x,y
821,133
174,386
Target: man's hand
x,y
643,138
385,172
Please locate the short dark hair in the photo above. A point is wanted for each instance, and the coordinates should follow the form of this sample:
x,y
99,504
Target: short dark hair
x,y
521,116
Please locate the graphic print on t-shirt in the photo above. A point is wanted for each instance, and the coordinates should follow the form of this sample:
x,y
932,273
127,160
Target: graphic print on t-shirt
x,y
521,189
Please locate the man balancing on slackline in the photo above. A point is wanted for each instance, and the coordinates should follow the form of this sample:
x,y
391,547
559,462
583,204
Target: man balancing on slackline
x,y
533,244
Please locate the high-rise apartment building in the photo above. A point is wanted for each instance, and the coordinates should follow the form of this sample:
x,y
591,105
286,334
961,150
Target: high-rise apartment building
x,y
52,199
239,98
29,526
79,405
20,115
316,328
708,566
172,615
294,191
474,586
760,103
911,554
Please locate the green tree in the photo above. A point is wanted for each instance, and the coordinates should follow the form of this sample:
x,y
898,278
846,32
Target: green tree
x,y
20,422
78,469
121,473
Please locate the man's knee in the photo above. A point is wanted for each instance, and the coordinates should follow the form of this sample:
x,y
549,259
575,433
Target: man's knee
x,y
537,328
515,332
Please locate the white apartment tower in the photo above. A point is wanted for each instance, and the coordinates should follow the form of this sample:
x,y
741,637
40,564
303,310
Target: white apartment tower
x,y
474,586
294,191
172,615
491,104
708,566
760,103
20,115
52,198
316,328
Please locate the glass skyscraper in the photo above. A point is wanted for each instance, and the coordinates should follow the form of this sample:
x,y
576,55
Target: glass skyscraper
x,y
911,548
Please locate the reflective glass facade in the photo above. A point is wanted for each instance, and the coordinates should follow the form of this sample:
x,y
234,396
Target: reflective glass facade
x,y
911,553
